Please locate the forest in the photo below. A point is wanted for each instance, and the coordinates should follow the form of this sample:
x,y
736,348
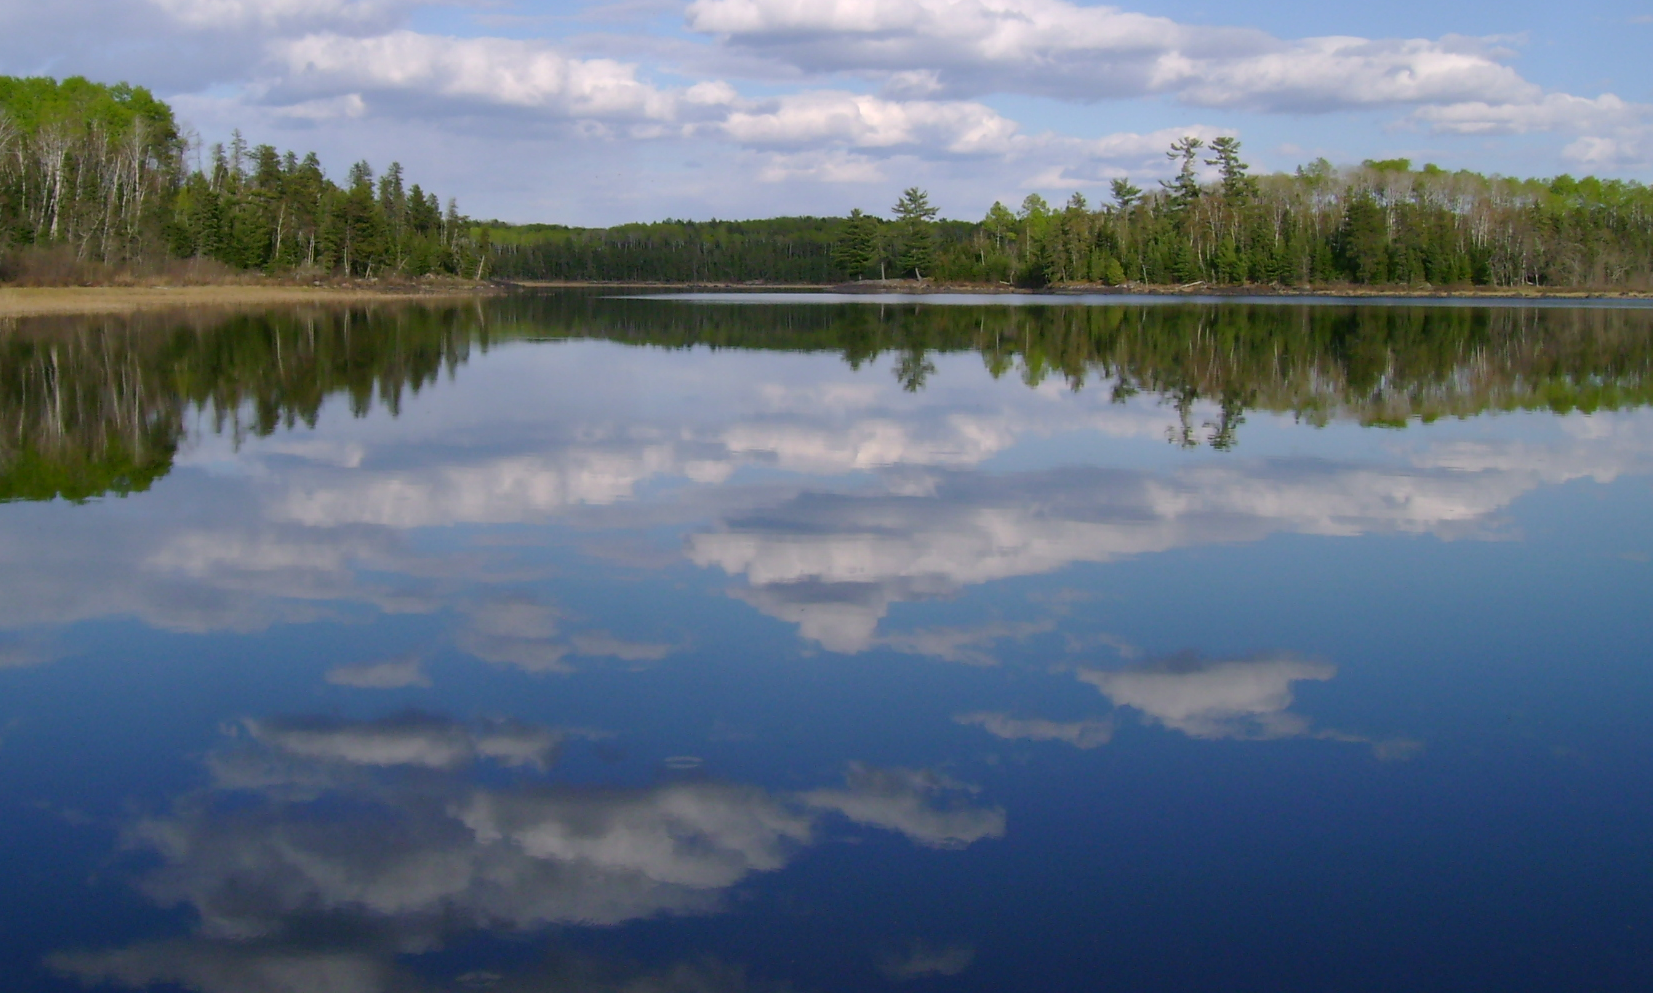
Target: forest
x,y
1381,223
98,180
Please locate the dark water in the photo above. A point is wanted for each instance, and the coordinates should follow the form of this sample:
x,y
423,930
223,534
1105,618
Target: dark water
x,y
576,644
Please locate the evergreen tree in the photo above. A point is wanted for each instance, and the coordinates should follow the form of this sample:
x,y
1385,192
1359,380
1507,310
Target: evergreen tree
x,y
914,214
858,248
1183,191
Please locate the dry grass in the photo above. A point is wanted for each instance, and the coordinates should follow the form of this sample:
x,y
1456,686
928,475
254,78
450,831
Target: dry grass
x,y
38,282
44,301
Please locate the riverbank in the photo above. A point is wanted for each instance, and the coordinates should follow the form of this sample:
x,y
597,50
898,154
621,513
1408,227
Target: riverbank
x,y
48,301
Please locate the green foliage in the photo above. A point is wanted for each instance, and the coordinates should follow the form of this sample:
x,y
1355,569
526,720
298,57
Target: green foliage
x,y
779,250
100,407
1183,191
858,248
1380,223
914,216
102,170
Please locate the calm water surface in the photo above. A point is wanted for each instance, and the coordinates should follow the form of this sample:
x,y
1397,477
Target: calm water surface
x,y
568,643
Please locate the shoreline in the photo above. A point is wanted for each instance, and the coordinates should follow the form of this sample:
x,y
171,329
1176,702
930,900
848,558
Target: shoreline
x,y
905,287
65,301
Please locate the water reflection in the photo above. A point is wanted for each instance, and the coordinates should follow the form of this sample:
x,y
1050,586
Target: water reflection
x,y
90,406
323,848
619,546
829,496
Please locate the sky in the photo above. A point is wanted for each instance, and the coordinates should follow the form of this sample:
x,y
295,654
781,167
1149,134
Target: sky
x,y
569,112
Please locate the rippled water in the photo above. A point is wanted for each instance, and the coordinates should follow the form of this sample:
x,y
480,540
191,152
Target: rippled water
x,y
570,643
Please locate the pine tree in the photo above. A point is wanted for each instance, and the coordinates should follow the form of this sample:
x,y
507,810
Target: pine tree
x,y
914,214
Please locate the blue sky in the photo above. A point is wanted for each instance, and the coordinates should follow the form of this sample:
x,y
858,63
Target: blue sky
x,y
596,113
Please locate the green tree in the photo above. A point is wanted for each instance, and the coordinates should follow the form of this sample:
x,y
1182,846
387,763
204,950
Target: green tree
x,y
915,216
857,249
1238,188
1183,191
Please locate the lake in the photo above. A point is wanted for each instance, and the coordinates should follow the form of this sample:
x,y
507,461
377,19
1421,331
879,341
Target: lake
x,y
576,642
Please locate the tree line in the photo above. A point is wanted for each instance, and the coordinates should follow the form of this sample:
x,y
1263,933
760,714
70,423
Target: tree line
x,y
104,174
1376,224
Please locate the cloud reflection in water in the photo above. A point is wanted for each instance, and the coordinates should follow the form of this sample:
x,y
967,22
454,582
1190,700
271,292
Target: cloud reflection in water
x,y
324,848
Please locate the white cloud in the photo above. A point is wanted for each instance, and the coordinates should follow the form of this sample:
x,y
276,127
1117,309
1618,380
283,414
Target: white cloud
x,y
515,632
409,863
491,71
825,166
445,855
868,122
1627,151
757,93
443,852
701,835
1079,734
914,802
515,488
286,14
1552,112
834,563
1057,48
1247,698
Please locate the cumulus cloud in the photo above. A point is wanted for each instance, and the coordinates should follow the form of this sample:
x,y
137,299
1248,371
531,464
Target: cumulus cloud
x,y
514,631
833,563
1080,734
826,134
780,92
514,488
868,122
1246,698
924,805
380,831
1073,52
1551,112
497,71
700,836
443,851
